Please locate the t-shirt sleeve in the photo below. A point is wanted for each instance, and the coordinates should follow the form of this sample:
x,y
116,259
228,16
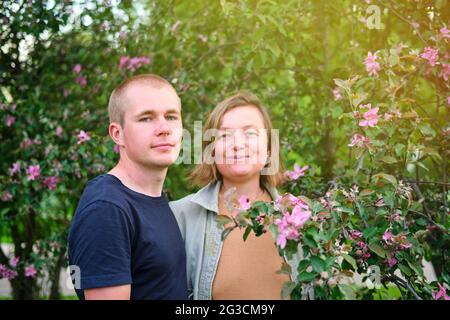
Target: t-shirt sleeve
x,y
100,245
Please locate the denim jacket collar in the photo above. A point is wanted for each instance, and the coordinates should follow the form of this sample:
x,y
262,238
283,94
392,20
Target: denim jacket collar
x,y
207,197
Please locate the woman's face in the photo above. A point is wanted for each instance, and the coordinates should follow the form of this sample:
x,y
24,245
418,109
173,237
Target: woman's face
x,y
241,144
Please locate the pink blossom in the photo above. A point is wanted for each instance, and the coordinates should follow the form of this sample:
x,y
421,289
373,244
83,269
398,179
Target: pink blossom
x,y
66,93
362,245
391,262
14,261
445,32
132,63
441,293
82,81
289,224
337,94
372,66
116,148
77,68
51,182
123,61
297,173
359,140
405,245
397,217
82,137
33,172
7,273
355,234
244,203
26,143
299,216
370,118
59,131
387,236
30,271
6,196
10,120
380,203
174,27
431,55
15,168
122,35
445,72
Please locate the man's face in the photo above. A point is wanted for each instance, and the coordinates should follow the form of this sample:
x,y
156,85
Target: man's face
x,y
152,128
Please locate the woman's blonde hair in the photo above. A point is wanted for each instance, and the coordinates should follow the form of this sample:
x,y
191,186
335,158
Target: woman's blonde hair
x,y
205,173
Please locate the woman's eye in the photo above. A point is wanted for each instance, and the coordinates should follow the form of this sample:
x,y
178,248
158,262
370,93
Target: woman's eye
x,y
224,135
251,133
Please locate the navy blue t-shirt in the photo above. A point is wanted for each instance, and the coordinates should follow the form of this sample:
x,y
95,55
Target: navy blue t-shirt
x,y
119,236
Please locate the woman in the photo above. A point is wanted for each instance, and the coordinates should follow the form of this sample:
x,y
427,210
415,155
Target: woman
x,y
242,145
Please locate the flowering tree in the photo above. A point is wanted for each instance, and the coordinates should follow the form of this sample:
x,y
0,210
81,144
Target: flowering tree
x,y
374,219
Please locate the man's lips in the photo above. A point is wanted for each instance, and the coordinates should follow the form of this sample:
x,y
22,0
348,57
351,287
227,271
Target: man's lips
x,y
163,146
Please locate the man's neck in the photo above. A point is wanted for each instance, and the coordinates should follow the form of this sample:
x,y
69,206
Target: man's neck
x,y
146,180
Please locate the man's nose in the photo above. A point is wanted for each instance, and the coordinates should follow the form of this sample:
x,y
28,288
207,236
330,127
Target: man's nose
x,y
163,128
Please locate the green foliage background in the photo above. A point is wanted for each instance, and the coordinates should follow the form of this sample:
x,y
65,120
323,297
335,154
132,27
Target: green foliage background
x,y
287,52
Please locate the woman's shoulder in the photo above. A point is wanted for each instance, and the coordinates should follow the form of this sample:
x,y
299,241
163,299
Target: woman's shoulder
x,y
185,206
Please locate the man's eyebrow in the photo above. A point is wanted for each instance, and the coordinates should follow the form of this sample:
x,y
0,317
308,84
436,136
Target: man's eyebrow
x,y
152,113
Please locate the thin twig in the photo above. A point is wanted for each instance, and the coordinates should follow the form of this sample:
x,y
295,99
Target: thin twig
x,y
406,284
405,20
428,182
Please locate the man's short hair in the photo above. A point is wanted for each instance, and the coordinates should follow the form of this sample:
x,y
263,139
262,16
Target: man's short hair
x,y
117,102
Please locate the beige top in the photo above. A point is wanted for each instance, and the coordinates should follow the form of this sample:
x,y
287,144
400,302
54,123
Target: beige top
x,y
247,269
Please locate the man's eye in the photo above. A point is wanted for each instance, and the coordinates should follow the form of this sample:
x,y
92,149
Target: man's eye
x,y
146,119
172,118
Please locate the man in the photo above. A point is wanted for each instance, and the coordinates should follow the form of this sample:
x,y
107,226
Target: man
x,y
124,239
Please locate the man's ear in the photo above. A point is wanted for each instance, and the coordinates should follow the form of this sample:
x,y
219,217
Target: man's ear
x,y
116,133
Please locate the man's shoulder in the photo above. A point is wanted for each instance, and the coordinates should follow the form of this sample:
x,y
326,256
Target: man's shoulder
x,y
102,191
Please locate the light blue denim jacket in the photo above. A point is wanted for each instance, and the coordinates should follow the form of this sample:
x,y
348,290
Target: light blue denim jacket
x,y
196,217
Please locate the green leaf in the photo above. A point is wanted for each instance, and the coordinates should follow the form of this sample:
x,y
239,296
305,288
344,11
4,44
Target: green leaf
x,y
285,269
226,232
318,264
288,287
405,270
247,232
378,250
347,291
388,159
365,192
386,177
342,84
306,276
222,220
426,129
350,260
303,265
369,232
309,242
